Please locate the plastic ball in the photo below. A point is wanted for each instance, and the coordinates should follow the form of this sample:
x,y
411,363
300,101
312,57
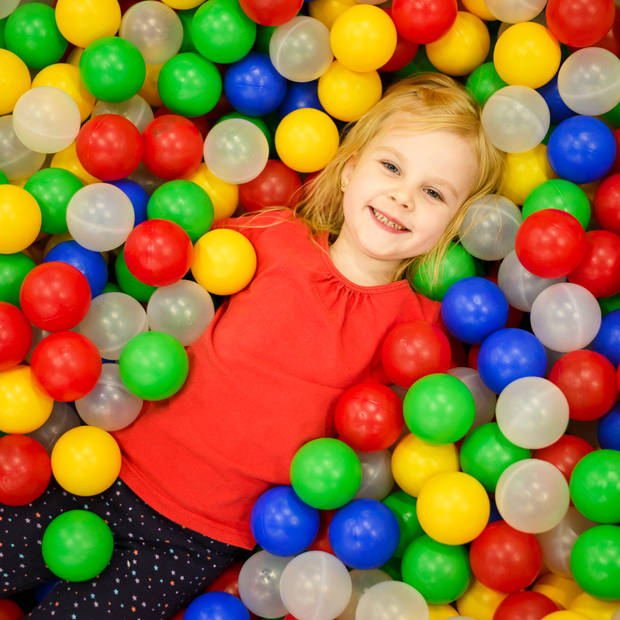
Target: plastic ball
x,y
276,185
532,496
607,341
14,80
270,12
62,418
300,95
361,581
377,479
526,605
484,398
582,149
16,160
315,584
391,597
137,195
13,270
109,405
423,22
478,601
86,460
25,470
91,264
128,283
609,429
403,506
83,21
559,194
16,336
579,23
565,317
100,217
135,109
77,545
306,140
607,203
300,49
558,109
523,172
172,147
515,11
153,365
515,118
591,607
20,219
67,159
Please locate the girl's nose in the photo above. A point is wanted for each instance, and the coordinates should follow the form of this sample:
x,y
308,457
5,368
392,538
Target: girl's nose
x,y
401,198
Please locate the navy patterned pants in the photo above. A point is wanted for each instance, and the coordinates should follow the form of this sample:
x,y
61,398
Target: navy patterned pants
x,y
157,566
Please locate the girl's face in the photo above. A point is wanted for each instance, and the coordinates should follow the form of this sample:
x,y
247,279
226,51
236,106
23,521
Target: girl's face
x,y
402,191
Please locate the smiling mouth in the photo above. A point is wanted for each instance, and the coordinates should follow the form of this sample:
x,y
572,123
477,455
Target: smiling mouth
x,y
386,221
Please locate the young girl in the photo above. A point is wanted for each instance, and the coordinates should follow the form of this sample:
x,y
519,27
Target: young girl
x,y
267,372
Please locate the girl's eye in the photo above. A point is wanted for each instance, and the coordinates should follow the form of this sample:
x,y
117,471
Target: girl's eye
x,y
434,194
388,165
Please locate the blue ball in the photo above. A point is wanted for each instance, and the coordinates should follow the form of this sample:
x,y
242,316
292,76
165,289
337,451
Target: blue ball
x,y
581,149
609,429
473,308
137,195
216,606
253,86
282,524
509,354
300,95
607,341
91,264
558,109
364,534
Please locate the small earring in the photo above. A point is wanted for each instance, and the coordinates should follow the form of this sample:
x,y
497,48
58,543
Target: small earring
x,y
343,186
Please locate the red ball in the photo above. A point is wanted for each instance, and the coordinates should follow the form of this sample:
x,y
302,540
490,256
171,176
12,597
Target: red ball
x,y
412,350
55,296
403,54
15,335
276,186
10,610
321,542
172,146
616,132
599,270
588,381
67,365
25,470
607,201
369,417
228,581
580,23
423,21
158,252
505,559
472,356
271,12
525,605
200,122
550,243
109,147
565,453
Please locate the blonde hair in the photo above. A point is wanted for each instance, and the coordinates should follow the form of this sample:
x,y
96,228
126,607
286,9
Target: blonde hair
x,y
435,102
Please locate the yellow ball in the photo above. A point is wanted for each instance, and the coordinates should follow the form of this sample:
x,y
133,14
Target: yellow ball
x,y
74,56
150,90
14,80
524,172
479,8
414,462
54,240
348,95
86,460
527,54
183,4
479,601
224,261
561,590
453,508
67,77
564,615
224,196
363,38
20,219
68,160
441,612
24,406
306,139
83,21
328,11
463,48
593,608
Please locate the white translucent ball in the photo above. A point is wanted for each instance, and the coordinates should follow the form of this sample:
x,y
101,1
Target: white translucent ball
x,y
109,405
589,81
136,110
484,398
532,496
565,317
100,216
154,28
515,11
516,118
62,418
113,319
7,7
532,412
490,226
361,581
236,150
315,585
17,161
46,119
377,479
391,599
300,49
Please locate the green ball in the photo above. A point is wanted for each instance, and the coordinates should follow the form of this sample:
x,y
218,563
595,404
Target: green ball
x,y
186,18
53,188
259,122
326,473
403,506
483,82
13,269
392,568
263,38
440,573
111,287
613,116
31,33
609,304
486,453
3,178
184,203
595,486
455,265
2,27
439,409
595,562
153,365
189,85
222,32
559,194
77,545
129,283
112,69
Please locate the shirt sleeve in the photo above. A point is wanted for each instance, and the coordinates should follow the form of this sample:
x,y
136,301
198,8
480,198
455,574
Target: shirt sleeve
x,y
253,224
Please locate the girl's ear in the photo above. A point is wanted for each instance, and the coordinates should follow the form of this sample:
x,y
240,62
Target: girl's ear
x,y
347,170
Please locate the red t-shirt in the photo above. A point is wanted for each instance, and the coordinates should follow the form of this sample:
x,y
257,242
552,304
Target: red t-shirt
x,y
263,380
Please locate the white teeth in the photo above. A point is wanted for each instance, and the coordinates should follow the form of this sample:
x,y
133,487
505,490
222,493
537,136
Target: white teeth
x,y
387,221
